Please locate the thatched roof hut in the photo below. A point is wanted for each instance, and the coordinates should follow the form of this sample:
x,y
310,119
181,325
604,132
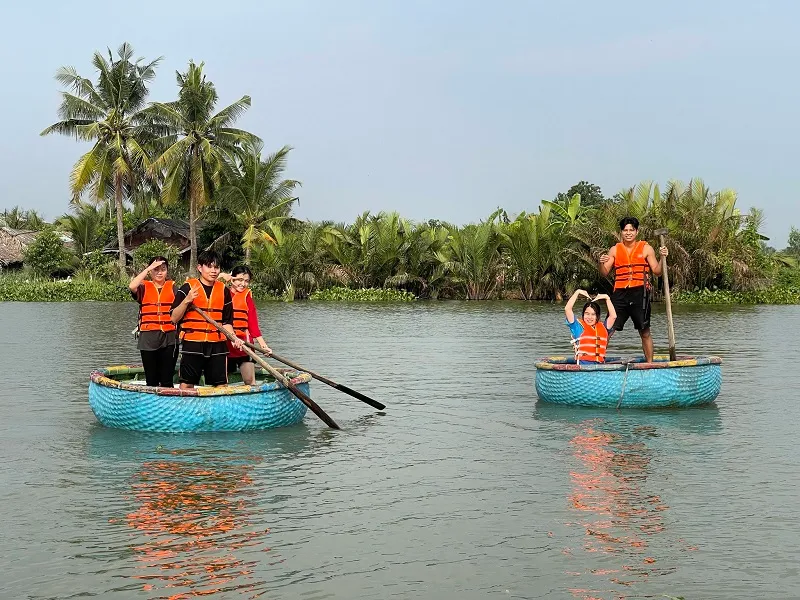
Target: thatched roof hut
x,y
13,243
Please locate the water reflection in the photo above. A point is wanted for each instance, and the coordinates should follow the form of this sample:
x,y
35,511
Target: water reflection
x,y
614,495
195,506
195,514
699,420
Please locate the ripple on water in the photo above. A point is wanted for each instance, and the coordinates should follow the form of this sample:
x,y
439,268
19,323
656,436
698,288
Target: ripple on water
x,y
465,487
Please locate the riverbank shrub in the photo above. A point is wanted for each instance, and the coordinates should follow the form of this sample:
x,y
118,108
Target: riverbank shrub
x,y
98,266
22,287
18,289
263,293
773,295
46,255
363,295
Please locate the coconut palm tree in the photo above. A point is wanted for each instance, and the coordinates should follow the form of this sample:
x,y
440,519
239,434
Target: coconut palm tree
x,y
83,225
109,114
257,196
17,218
200,146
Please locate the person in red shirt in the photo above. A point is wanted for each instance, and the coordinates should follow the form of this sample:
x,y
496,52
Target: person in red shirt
x,y
245,323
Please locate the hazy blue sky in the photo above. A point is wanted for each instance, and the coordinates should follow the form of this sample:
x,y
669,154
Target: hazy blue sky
x,y
444,109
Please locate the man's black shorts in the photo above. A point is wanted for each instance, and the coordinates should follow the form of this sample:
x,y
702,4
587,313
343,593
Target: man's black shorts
x,y
235,363
634,303
204,358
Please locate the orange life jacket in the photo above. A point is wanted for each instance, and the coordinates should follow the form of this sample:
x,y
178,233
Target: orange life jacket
x,y
630,268
193,327
591,345
240,322
154,310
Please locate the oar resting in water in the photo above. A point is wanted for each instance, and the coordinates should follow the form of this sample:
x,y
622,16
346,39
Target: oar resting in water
x,y
272,371
325,380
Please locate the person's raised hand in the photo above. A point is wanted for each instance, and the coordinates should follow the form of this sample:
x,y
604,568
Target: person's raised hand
x,y
193,293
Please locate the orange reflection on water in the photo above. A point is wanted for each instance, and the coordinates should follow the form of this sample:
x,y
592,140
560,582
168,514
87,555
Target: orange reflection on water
x,y
618,516
195,517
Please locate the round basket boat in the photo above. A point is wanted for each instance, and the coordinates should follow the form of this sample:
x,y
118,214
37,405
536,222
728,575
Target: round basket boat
x,y
119,399
630,382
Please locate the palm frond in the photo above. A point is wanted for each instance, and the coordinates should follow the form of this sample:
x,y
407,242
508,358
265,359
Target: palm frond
x,y
230,114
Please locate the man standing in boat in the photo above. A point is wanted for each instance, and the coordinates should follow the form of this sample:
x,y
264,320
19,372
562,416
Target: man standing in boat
x,y
203,348
633,260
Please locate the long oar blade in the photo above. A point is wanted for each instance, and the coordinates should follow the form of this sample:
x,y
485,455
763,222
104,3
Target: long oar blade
x,y
325,380
360,396
313,406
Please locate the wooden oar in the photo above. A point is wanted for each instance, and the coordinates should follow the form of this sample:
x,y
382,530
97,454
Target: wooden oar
x,y
325,380
670,327
313,406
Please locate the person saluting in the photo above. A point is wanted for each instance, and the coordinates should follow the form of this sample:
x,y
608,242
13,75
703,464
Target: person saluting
x,y
157,338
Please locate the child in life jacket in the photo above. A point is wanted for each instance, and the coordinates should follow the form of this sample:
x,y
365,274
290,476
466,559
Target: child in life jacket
x,y
589,334
245,323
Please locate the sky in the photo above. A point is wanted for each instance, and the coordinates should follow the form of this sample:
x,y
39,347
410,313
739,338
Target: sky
x,y
444,109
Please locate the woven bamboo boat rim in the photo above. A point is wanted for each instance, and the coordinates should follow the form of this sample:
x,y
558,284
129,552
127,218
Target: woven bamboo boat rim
x,y
617,363
103,377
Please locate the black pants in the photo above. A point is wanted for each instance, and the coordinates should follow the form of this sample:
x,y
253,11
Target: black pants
x,y
633,303
212,368
159,366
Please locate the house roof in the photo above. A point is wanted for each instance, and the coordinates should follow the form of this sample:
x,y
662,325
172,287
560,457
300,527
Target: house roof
x,y
155,228
13,243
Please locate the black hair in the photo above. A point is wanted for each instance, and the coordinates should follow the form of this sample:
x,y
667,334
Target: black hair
x,y
209,258
628,221
594,305
242,269
159,257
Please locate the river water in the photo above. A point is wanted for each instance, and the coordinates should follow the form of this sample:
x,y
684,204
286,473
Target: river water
x,y
465,487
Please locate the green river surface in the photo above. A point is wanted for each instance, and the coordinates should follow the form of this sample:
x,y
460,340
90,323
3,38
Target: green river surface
x,y
465,487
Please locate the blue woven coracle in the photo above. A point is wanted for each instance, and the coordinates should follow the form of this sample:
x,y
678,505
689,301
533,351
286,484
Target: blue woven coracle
x,y
630,382
125,405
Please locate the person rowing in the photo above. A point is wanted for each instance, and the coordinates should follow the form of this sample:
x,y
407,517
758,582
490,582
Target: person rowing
x,y
204,352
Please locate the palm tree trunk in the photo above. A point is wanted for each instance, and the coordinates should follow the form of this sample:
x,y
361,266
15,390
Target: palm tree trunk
x,y
120,209
192,236
247,255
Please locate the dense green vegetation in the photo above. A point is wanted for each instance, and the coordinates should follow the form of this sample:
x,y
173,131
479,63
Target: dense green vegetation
x,y
21,289
773,295
18,288
184,159
363,295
